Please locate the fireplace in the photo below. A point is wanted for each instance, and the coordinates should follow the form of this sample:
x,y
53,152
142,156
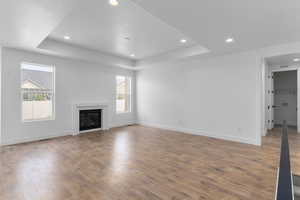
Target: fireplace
x,y
90,119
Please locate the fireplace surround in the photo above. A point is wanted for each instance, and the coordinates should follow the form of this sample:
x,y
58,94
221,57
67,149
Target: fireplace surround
x,y
86,117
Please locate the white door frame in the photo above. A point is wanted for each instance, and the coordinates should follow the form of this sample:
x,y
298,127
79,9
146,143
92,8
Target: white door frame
x,y
278,50
270,95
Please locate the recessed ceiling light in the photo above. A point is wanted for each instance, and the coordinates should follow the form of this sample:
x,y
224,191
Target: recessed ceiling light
x,y
183,40
229,40
113,2
66,37
296,59
132,55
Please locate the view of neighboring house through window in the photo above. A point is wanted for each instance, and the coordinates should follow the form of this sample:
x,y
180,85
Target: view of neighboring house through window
x,y
123,99
37,86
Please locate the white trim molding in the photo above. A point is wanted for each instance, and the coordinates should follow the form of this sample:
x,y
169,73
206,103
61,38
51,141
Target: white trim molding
x,y
90,106
202,133
34,139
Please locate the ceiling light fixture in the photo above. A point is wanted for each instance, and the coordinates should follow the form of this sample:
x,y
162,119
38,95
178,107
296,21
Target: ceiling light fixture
x,y
183,40
113,2
66,37
296,59
132,55
229,40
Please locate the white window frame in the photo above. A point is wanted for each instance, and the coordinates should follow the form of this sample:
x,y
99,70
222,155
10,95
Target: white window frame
x,y
53,93
129,95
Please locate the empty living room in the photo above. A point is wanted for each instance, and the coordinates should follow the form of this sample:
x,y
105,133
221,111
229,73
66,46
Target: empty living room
x,y
149,100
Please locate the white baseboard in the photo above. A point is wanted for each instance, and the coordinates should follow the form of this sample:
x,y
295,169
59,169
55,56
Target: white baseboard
x,y
123,124
49,136
32,139
202,133
172,128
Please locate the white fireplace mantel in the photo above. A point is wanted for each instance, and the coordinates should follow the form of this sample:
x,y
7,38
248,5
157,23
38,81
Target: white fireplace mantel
x,y
90,106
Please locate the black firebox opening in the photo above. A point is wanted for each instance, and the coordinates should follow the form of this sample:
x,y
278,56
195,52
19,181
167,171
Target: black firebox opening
x,y
89,119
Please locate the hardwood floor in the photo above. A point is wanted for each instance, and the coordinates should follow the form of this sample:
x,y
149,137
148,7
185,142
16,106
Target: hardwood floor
x,y
141,163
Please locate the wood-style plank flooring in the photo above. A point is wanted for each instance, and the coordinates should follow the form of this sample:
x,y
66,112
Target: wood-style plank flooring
x,y
142,163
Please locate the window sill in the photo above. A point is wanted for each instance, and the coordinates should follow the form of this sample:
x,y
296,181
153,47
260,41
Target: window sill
x,y
37,120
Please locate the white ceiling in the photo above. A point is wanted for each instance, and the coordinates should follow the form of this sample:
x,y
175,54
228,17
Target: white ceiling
x,y
100,26
27,23
153,26
253,23
283,60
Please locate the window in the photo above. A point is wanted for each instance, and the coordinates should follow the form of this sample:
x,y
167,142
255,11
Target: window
x,y
37,92
123,99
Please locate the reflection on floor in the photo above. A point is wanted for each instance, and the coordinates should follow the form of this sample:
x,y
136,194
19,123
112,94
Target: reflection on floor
x,y
292,128
142,163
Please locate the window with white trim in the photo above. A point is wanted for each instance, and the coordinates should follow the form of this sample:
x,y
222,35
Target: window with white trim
x,y
37,92
123,97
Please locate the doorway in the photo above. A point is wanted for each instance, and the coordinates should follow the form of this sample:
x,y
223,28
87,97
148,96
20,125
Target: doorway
x,y
281,99
285,98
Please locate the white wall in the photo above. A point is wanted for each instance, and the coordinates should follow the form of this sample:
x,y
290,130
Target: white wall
x,y
0,95
264,100
268,112
75,82
218,97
